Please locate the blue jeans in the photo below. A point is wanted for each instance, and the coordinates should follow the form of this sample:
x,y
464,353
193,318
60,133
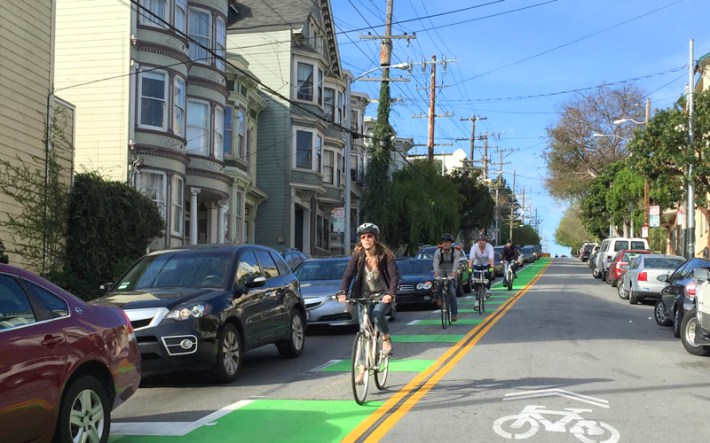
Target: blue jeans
x,y
452,295
378,312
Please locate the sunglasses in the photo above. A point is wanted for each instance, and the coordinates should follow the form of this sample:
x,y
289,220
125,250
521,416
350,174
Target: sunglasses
x,y
368,236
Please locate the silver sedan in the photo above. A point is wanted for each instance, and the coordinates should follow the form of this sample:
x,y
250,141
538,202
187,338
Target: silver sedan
x,y
640,282
320,280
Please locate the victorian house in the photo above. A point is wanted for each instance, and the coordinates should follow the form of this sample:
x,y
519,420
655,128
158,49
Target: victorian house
x,y
291,48
157,107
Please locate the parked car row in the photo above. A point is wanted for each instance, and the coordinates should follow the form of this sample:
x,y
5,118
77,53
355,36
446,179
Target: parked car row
x,y
679,288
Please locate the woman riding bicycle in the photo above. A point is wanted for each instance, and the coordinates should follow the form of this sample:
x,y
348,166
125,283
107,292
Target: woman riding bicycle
x,y
446,263
374,269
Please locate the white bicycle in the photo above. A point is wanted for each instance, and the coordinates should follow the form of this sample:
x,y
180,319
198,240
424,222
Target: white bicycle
x,y
528,422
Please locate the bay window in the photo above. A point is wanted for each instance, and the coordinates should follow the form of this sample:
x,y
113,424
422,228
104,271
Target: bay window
x,y
218,144
341,107
220,40
319,145
228,133
329,104
153,12
328,163
180,14
152,185
304,149
241,133
177,201
319,89
200,30
198,127
179,107
305,81
153,100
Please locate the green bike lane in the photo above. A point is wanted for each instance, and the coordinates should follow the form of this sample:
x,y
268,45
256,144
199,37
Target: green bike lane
x,y
332,420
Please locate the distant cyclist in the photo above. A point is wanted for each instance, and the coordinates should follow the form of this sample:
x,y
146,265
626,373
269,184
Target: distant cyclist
x,y
482,258
510,257
446,263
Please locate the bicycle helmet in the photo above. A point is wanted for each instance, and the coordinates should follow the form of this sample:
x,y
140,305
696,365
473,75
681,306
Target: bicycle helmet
x,y
481,237
447,237
368,228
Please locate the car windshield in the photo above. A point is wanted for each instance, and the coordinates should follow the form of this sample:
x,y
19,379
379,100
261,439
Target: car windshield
x,y
321,270
663,262
426,254
180,269
415,266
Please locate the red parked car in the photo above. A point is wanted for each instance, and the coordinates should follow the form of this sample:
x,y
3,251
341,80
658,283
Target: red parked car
x,y
64,363
620,263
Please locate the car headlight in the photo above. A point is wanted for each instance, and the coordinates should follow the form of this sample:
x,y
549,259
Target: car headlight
x,y
192,311
425,285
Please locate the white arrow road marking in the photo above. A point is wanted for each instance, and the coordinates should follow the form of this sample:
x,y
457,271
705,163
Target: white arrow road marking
x,y
178,428
557,392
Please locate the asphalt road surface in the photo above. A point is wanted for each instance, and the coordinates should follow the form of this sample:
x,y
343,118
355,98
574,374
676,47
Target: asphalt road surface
x,y
559,359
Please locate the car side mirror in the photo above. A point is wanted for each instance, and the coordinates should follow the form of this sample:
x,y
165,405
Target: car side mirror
x,y
104,288
663,278
255,282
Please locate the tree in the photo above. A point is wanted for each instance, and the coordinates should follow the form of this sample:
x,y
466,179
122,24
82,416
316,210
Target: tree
x,y
525,235
585,139
422,205
571,232
478,208
110,226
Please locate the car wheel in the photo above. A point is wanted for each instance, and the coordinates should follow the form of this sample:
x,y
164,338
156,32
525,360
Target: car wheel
x,y
633,299
229,355
659,313
620,291
293,346
677,320
687,335
85,412
595,273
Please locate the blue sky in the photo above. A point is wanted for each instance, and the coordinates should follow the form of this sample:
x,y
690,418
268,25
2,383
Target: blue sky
x,y
516,62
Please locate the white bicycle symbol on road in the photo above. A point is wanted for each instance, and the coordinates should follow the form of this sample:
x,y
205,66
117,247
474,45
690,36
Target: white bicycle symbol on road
x,y
527,423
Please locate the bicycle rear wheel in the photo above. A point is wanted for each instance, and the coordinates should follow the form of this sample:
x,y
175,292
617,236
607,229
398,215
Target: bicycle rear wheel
x,y
382,366
510,280
359,366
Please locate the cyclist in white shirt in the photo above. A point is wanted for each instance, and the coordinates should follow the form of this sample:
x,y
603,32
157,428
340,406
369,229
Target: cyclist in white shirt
x,y
482,257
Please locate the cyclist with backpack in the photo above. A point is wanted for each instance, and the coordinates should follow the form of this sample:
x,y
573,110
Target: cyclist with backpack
x,y
446,263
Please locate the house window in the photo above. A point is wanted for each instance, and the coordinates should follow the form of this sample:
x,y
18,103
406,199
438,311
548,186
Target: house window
x,y
329,103
154,12
153,93
248,144
304,149
218,133
341,106
152,184
319,90
219,42
180,14
341,168
319,145
328,167
305,82
228,133
239,211
198,127
241,133
200,30
178,200
179,107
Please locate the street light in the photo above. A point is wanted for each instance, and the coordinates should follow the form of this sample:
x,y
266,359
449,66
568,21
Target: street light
x,y
402,66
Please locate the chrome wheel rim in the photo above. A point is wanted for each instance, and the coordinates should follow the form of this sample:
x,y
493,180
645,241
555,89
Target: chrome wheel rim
x,y
297,332
87,417
230,350
690,333
661,312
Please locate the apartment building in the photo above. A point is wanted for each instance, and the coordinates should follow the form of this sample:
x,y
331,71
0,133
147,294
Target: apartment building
x,y
155,108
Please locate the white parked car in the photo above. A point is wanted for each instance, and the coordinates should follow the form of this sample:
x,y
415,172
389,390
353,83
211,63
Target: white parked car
x,y
640,282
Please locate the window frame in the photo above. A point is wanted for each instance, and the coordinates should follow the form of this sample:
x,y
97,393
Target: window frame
x,y
184,8
197,56
296,159
203,152
161,205
177,203
220,43
165,99
218,133
146,19
176,106
301,88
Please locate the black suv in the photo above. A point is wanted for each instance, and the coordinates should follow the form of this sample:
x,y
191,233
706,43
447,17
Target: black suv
x,y
203,307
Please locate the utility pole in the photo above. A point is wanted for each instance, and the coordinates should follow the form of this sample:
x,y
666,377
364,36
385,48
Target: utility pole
x,y
473,120
485,156
511,210
690,207
432,103
522,213
646,199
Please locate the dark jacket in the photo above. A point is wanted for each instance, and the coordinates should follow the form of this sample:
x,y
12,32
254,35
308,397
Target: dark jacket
x,y
509,254
389,274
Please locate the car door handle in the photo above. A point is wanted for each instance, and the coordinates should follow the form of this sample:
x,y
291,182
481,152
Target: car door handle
x,y
52,340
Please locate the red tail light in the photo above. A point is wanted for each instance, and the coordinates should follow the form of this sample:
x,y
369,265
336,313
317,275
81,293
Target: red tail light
x,y
691,288
642,276
129,326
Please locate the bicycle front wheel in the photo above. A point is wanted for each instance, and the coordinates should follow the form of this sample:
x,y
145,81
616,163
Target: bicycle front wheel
x,y
360,374
444,309
382,366
481,297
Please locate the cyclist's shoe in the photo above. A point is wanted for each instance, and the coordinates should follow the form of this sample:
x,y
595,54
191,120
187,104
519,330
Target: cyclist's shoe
x,y
387,345
360,377
454,318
